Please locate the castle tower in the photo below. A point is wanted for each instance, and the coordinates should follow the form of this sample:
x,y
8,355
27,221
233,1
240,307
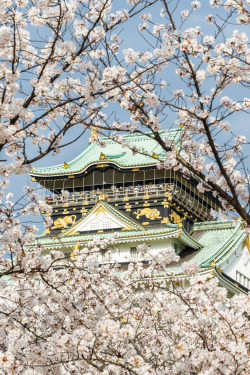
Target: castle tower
x,y
119,188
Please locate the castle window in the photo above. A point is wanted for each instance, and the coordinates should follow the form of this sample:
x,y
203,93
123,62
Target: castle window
x,y
105,255
133,252
242,279
106,224
94,225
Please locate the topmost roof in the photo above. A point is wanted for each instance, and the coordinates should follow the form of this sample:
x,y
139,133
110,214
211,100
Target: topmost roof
x,y
114,153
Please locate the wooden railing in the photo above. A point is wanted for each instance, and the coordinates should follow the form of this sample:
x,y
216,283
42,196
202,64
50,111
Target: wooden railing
x,y
111,195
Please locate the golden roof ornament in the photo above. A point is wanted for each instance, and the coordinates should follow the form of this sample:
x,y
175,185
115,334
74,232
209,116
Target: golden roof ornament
x,y
66,165
213,264
246,243
94,135
74,253
181,126
102,156
155,155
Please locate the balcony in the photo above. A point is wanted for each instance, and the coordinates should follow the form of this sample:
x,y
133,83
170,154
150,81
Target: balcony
x,y
199,206
113,195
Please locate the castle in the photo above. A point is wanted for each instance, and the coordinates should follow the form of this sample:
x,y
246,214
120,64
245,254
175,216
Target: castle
x,y
113,189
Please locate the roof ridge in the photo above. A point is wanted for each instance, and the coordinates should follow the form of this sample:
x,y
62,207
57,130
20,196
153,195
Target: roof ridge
x,y
214,224
136,134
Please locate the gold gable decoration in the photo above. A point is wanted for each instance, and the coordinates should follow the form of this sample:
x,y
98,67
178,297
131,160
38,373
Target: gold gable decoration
x,y
66,165
150,213
63,222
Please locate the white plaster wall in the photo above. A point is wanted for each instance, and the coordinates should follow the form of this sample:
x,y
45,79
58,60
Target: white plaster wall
x,y
99,220
238,266
122,252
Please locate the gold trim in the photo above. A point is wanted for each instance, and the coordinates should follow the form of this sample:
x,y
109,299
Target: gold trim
x,y
33,179
128,207
102,165
165,203
246,243
165,220
168,195
71,176
84,211
145,223
127,227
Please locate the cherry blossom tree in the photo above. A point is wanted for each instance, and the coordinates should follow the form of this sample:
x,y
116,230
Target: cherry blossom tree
x,y
63,70
84,319
201,77
63,67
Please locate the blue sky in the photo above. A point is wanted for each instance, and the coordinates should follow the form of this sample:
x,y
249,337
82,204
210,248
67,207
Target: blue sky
x,y
133,39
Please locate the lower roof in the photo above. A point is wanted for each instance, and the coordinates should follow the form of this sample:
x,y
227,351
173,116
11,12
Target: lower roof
x,y
212,241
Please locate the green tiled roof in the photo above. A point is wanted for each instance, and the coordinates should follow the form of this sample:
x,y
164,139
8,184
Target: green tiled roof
x,y
216,240
220,240
137,235
115,153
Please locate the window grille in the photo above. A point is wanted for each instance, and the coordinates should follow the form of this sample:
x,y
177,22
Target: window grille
x,y
104,255
133,252
106,224
242,279
94,225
